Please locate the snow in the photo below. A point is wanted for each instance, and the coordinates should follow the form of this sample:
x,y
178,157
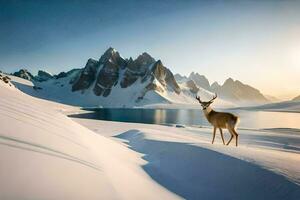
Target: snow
x,y
263,166
46,155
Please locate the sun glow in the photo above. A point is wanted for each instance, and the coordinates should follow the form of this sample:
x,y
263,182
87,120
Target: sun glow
x,y
294,56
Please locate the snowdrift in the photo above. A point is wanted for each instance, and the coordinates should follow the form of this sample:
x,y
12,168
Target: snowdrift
x,y
45,155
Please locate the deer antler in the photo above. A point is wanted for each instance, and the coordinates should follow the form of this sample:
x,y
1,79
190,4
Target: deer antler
x,y
214,97
198,98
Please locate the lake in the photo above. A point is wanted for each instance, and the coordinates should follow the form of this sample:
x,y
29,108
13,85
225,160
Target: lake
x,y
249,119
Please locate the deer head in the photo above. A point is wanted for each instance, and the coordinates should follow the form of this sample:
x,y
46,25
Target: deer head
x,y
206,104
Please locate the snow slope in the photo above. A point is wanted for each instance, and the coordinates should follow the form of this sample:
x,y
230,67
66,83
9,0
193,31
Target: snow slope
x,y
45,155
265,165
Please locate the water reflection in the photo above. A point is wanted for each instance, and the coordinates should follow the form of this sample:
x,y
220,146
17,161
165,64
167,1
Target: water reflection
x,y
249,119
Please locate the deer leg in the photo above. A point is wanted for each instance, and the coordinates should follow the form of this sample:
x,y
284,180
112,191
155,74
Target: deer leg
x,y
214,135
221,132
232,134
236,136
229,140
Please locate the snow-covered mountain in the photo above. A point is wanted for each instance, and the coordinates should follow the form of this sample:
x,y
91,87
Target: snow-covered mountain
x,y
180,79
237,91
200,80
233,91
112,70
41,76
25,74
114,81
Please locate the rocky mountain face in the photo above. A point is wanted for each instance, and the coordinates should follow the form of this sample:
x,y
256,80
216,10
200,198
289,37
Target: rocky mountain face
x,y
107,77
87,76
5,79
111,65
164,76
40,77
111,70
25,74
43,76
73,74
111,75
136,69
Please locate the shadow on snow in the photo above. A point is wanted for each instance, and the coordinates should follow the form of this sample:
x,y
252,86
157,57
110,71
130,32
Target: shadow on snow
x,y
193,172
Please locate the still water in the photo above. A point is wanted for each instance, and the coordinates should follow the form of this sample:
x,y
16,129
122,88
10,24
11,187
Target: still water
x,y
249,119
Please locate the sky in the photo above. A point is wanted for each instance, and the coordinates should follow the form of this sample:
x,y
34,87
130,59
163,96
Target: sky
x,y
256,42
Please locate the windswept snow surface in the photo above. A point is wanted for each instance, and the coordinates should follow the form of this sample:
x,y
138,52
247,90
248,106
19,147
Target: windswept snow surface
x,y
265,165
45,155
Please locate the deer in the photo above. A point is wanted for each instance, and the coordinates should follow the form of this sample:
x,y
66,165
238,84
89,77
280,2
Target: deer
x,y
220,120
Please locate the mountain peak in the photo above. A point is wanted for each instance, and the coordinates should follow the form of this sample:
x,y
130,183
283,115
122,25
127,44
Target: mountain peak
x,y
200,80
157,66
24,73
144,59
215,85
164,76
44,72
113,57
43,76
146,54
195,74
228,81
236,91
158,62
91,60
87,75
110,54
111,49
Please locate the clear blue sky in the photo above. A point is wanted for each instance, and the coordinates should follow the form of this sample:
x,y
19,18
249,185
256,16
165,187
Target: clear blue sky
x,y
257,42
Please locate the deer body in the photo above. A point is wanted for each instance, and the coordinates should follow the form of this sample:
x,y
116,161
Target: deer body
x,y
220,120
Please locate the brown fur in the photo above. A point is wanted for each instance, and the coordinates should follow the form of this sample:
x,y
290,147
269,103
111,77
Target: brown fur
x,y
220,120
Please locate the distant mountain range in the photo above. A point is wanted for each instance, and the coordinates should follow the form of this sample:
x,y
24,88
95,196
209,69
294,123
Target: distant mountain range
x,y
234,91
113,81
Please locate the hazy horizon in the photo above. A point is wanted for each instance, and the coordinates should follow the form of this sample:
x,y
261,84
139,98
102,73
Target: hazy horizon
x,y
256,42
